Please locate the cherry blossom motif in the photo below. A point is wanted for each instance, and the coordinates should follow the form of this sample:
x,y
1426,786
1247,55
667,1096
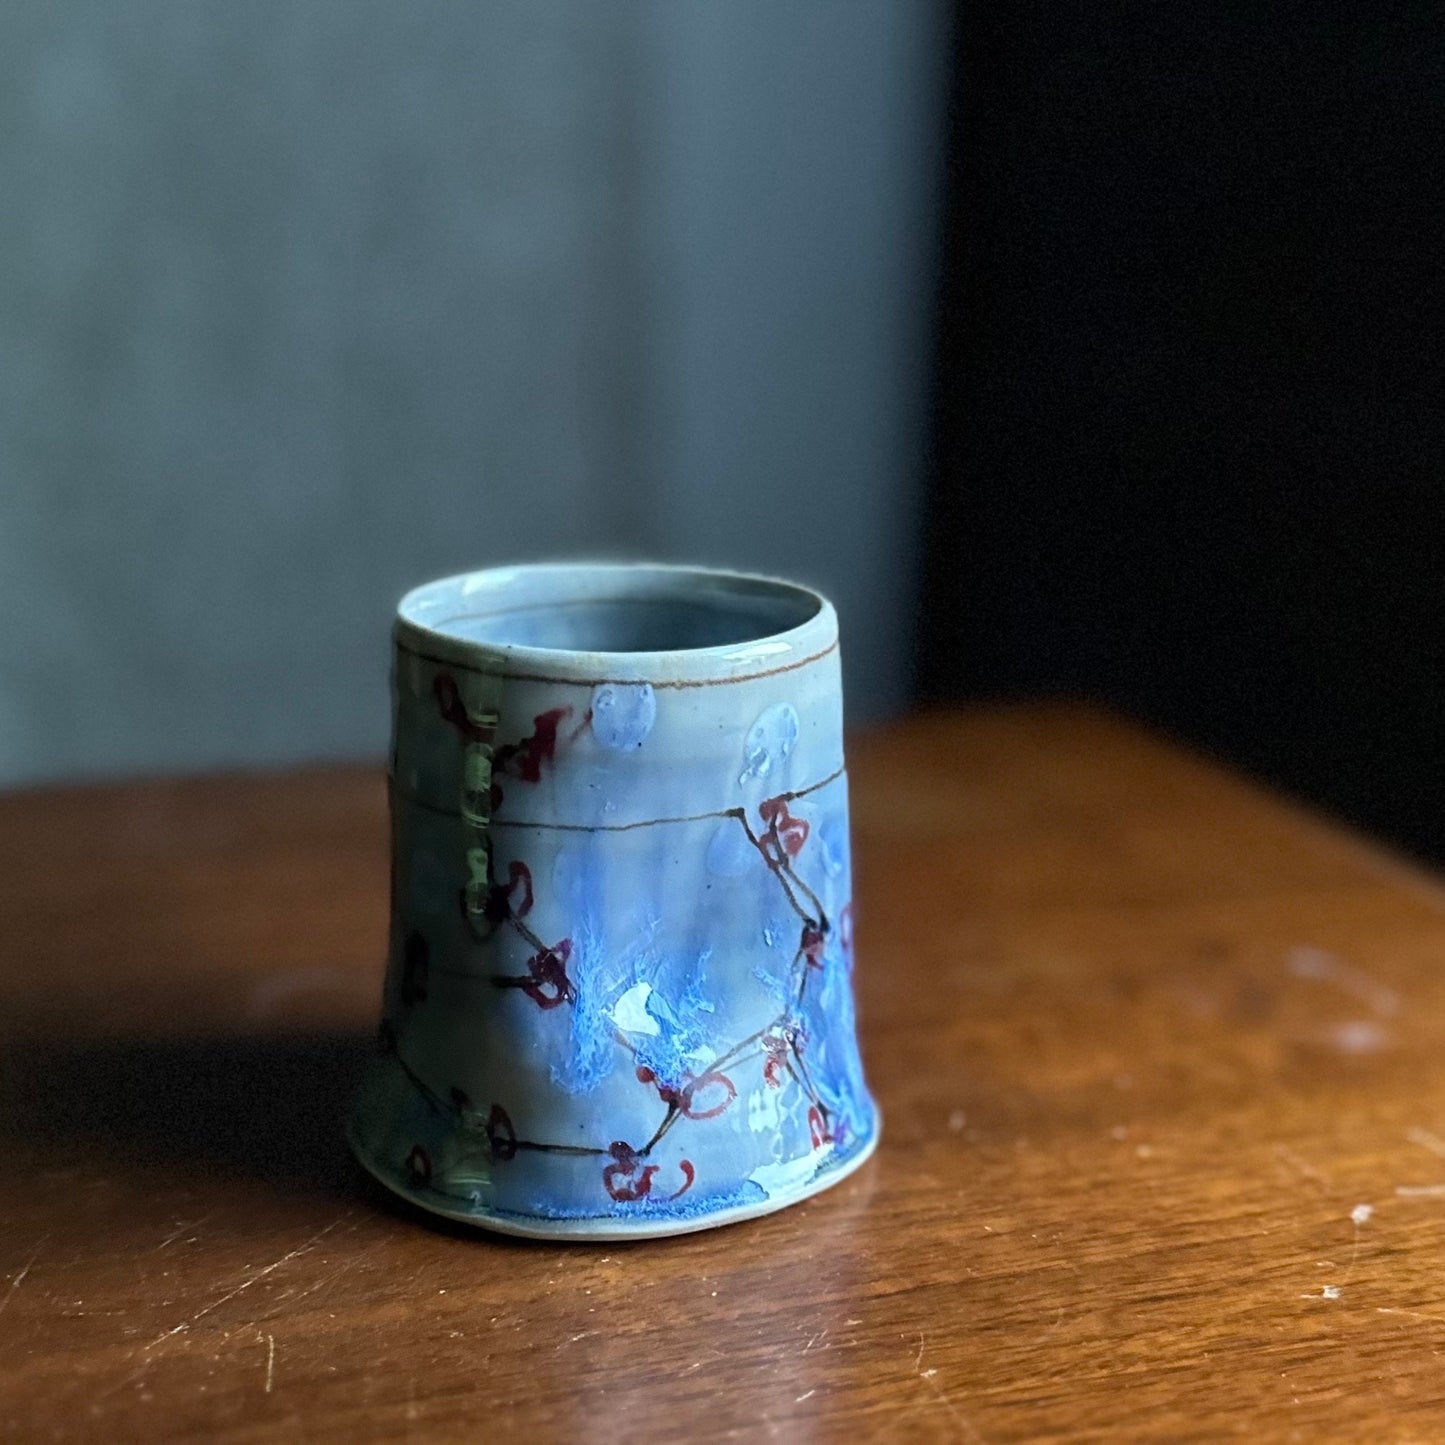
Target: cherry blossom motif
x,y
502,902
415,967
512,899
523,759
788,832
818,1130
811,945
627,1178
627,1173
501,1135
545,982
684,1099
775,1046
454,711
533,751
709,1083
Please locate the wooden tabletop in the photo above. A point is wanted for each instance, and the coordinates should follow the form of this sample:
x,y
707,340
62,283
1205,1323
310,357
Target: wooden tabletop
x,y
1161,1061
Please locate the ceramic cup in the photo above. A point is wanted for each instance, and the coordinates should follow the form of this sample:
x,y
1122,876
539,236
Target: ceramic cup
x,y
619,997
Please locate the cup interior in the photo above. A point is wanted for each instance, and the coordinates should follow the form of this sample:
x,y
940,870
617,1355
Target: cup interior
x,y
610,608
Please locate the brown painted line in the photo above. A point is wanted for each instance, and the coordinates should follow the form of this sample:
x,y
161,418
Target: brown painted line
x,y
614,681
543,1148
613,827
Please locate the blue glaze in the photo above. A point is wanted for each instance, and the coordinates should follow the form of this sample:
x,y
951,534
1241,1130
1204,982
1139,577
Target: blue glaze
x,y
770,740
623,714
729,854
632,1012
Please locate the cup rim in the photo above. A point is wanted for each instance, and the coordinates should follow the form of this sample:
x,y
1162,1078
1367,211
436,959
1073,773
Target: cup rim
x,y
424,613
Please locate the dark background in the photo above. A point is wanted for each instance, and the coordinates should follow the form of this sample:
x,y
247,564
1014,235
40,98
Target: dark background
x,y
1189,394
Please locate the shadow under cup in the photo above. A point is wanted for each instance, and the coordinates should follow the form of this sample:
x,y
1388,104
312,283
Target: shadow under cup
x,y
618,998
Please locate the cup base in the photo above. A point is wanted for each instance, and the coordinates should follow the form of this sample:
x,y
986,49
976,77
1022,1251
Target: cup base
x,y
613,1228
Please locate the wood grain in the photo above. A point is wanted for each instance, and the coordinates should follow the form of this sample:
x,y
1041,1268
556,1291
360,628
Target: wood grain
x,y
1160,1059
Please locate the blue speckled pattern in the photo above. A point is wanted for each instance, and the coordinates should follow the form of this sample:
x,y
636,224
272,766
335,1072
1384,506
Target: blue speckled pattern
x,y
619,996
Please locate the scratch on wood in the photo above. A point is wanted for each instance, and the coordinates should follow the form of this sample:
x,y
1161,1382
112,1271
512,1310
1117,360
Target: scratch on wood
x,y
245,1284
180,1229
349,1263
1420,1191
270,1361
262,1273
1359,1215
957,1415
23,1271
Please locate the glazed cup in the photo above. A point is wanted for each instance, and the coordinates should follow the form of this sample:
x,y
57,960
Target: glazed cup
x,y
618,1000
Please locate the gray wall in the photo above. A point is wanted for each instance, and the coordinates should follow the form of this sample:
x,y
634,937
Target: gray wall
x,y
300,305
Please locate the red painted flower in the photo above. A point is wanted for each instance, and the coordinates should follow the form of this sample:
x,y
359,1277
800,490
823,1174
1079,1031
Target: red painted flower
x,y
501,1136
533,751
818,1130
545,982
627,1178
789,832
710,1085
775,1046
688,1175
812,943
717,1092
501,903
454,711
512,899
550,985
